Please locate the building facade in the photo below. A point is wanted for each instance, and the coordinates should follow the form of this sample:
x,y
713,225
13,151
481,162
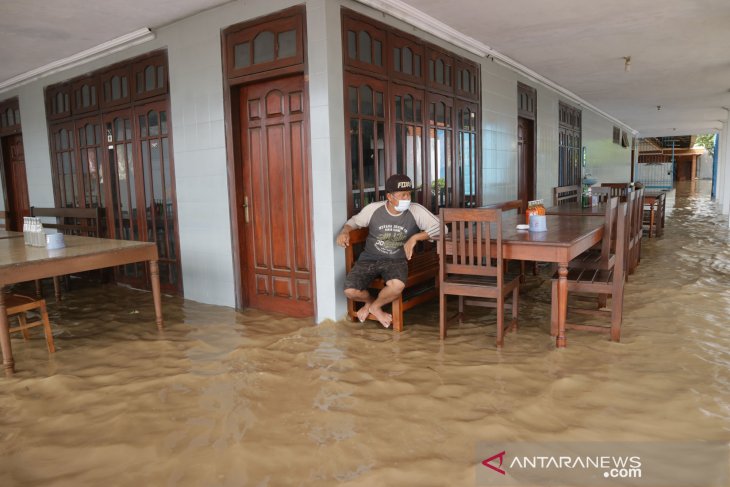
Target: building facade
x,y
240,139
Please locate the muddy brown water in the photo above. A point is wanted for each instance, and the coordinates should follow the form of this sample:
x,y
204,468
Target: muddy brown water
x,y
226,398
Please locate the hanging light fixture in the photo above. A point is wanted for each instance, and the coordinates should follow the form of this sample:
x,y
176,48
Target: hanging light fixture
x,y
627,63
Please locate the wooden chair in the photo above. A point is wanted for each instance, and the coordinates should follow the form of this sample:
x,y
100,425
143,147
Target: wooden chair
x,y
18,305
466,270
608,282
566,194
506,206
86,222
637,230
603,255
618,189
420,286
3,220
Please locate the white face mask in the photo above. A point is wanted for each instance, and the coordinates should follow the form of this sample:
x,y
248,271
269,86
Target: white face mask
x,y
402,205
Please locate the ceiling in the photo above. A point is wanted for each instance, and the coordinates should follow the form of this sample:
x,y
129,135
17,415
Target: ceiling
x,y
678,48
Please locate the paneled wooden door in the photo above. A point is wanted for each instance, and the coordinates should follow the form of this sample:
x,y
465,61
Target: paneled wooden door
x,y
16,183
526,156
276,253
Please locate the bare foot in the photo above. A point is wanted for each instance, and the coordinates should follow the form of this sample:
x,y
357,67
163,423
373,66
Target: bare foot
x,y
362,313
384,318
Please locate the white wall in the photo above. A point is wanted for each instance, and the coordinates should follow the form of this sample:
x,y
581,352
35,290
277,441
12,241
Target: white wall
x,y
605,161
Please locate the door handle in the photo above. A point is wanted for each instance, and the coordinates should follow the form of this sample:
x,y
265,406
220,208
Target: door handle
x,y
245,209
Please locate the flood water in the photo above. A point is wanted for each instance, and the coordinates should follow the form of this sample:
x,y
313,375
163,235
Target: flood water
x,y
226,398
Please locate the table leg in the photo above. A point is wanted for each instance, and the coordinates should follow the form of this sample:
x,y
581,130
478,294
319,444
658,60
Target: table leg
x,y
155,280
560,341
8,362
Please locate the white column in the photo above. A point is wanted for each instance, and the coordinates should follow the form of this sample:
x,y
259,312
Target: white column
x,y
723,180
326,106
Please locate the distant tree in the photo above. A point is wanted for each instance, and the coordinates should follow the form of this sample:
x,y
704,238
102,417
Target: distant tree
x,y
707,141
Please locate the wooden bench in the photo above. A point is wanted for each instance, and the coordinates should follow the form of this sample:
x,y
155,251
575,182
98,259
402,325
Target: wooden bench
x,y
86,222
422,283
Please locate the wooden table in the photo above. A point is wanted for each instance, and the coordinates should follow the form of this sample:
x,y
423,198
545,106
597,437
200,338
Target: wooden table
x,y
10,234
19,263
576,209
566,238
655,204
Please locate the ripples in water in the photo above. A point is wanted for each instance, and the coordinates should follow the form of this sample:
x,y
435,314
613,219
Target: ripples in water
x,y
246,398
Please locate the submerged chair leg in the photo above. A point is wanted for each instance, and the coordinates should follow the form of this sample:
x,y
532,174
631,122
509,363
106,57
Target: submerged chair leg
x,y
442,315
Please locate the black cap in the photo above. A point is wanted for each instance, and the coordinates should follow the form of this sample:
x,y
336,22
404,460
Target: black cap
x,y
398,182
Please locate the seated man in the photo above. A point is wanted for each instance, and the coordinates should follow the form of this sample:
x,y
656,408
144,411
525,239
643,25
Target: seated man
x,y
395,226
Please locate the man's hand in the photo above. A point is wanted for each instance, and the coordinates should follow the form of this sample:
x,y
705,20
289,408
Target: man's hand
x,y
343,239
408,247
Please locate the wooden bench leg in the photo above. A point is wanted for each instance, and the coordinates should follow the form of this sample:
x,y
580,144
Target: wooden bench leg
x,y
397,311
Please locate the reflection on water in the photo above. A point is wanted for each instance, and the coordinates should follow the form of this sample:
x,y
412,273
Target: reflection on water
x,y
227,398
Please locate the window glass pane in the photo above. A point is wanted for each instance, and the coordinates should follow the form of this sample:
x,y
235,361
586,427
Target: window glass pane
x,y
90,134
447,73
142,126
82,137
364,47
140,82
430,70
439,70
160,76
168,199
351,44
242,55
116,88
366,100
379,108
417,67
263,47
128,128
154,124
407,61
352,96
287,44
378,52
368,159
418,163
408,108
396,59
419,116
440,109
399,148
398,109
163,122
355,161
124,87
64,140
85,96
380,148
149,78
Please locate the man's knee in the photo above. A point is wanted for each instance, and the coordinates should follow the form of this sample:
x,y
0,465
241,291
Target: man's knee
x,y
352,293
396,285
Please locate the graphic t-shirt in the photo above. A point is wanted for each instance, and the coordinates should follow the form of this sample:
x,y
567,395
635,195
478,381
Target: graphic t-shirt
x,y
388,233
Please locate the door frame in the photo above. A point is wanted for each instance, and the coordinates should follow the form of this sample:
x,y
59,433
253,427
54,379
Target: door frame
x,y
232,83
10,218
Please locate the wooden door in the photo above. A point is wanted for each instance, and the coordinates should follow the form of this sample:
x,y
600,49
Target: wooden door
x,y
526,156
276,257
16,184
124,214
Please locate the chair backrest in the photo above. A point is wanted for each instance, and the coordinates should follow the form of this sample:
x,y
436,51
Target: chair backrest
x,y
637,217
470,237
506,206
357,242
72,221
623,227
610,222
566,194
618,189
4,218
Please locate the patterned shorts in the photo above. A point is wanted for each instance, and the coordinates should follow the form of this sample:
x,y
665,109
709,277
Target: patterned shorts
x,y
364,271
